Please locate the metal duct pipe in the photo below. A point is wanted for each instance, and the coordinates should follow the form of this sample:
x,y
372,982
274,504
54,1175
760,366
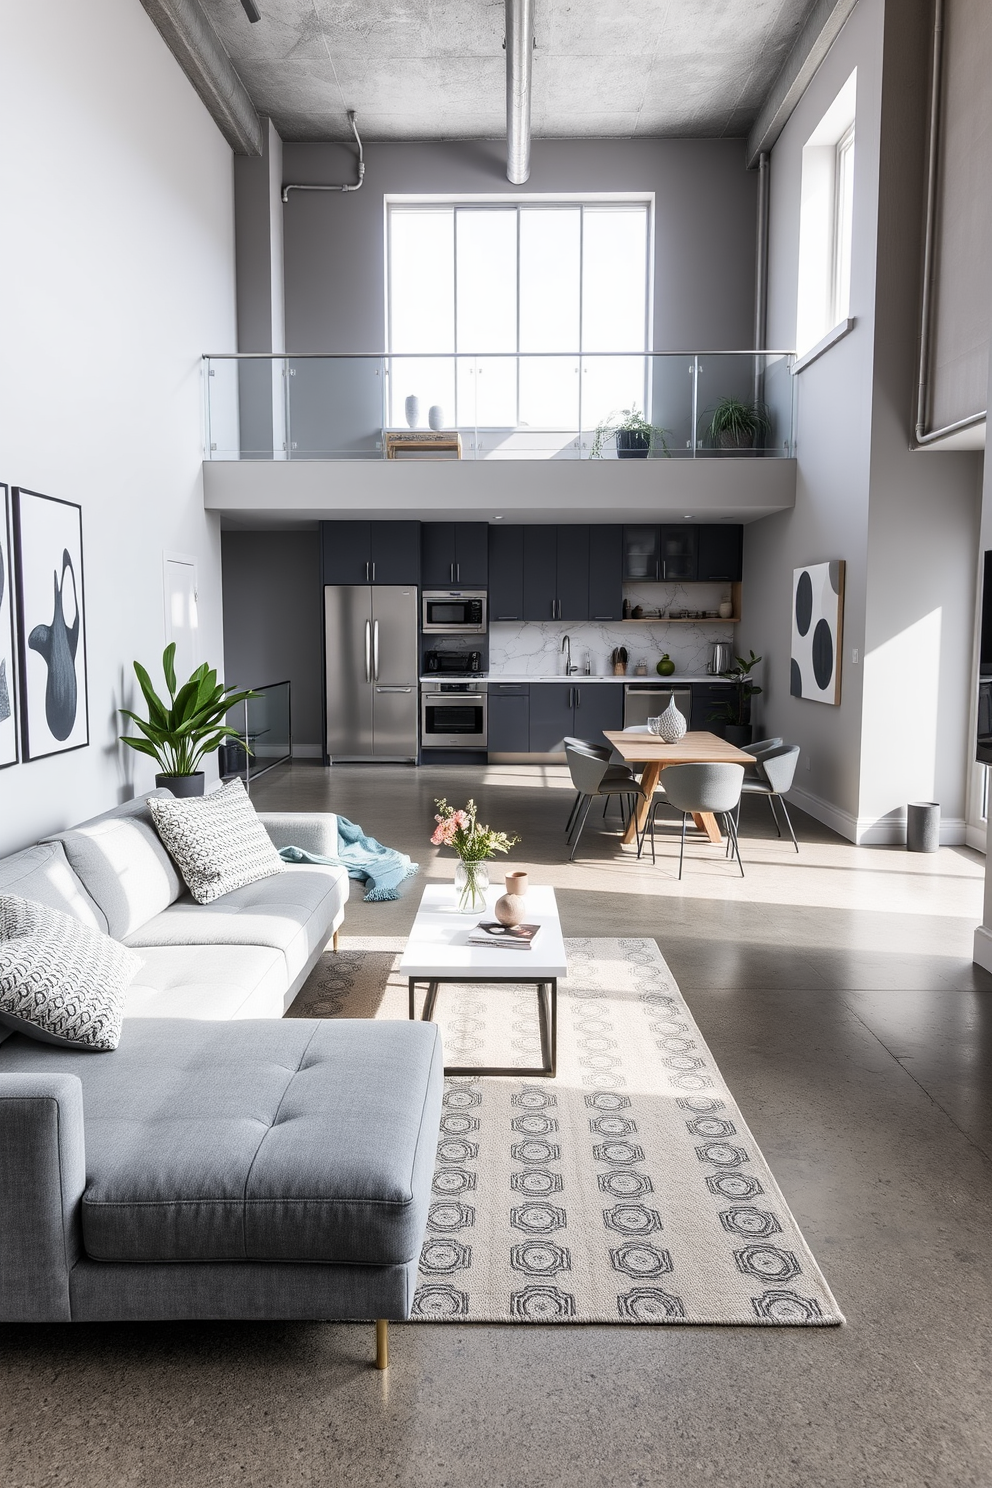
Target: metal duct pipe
x,y
519,55
761,276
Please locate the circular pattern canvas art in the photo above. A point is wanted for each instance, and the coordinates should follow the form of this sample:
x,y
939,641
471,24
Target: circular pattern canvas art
x,y
817,616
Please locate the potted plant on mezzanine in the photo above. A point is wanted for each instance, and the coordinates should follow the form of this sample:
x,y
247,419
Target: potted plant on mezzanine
x,y
177,735
635,437
735,714
736,427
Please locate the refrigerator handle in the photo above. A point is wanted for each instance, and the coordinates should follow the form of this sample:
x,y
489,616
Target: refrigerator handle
x,y
368,651
375,651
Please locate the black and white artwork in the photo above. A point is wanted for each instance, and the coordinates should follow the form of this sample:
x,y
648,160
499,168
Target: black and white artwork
x,y
51,630
817,631
8,681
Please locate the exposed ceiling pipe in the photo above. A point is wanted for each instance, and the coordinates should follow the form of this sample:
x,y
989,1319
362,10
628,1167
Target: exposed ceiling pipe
x,y
301,186
194,43
761,274
519,55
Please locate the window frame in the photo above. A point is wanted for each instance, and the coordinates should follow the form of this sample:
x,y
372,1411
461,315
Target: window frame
x,y
644,201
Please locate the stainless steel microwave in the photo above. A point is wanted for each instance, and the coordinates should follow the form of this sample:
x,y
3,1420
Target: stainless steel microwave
x,y
453,611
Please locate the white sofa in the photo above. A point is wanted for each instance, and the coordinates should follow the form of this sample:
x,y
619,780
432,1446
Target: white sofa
x,y
246,955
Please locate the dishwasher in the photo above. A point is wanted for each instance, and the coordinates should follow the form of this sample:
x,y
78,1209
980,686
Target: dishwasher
x,y
642,703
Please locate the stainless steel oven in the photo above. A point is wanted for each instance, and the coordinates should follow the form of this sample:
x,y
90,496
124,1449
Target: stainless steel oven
x,y
453,612
452,663
454,715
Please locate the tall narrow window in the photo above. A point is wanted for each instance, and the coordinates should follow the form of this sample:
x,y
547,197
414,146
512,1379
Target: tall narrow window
x,y
515,296
826,222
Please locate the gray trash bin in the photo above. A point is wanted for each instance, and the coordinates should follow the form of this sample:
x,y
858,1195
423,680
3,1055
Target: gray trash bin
x,y
923,826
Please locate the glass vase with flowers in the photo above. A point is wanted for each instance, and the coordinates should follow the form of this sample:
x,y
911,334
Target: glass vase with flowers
x,y
475,844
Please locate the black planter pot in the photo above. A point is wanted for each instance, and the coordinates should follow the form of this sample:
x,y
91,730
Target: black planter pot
x,y
181,785
631,445
738,734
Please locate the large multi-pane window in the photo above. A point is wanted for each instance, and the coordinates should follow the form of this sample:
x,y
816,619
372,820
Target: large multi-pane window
x,y
536,299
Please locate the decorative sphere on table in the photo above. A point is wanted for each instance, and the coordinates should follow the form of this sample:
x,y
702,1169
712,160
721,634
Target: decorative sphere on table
x,y
671,724
666,666
511,907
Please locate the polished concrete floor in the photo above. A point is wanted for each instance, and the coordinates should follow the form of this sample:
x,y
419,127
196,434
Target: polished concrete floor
x,y
837,992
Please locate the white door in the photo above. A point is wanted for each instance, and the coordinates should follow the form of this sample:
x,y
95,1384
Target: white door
x,y
181,622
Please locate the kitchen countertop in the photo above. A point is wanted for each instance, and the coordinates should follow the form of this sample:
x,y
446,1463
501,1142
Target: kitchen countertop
x,y
649,680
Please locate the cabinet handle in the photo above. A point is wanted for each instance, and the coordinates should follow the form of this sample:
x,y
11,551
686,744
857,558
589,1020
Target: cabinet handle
x,y
578,697
604,617
458,573
570,703
367,567
664,568
373,573
451,573
507,617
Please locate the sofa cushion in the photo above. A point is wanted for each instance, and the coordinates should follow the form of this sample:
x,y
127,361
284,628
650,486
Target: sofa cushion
x,y
208,982
43,875
217,841
293,913
299,1140
124,866
60,981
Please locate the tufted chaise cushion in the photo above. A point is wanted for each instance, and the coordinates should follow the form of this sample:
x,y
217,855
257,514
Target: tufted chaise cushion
x,y
301,1140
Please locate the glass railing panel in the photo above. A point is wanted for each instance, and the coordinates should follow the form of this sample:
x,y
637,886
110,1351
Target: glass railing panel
x,y
264,722
500,407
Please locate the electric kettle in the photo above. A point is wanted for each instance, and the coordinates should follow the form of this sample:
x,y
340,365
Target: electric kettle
x,y
721,657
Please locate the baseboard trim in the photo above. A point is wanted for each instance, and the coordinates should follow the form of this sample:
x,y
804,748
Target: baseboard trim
x,y
982,953
307,751
869,831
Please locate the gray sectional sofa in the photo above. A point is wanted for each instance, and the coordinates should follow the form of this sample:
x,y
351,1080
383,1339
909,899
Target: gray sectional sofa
x,y
220,1163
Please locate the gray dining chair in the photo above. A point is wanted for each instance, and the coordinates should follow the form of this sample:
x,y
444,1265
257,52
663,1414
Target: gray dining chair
x,y
775,774
595,777
604,752
757,749
700,787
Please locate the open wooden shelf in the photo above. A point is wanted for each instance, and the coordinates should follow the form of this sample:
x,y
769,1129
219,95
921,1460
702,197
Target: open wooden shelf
x,y
660,620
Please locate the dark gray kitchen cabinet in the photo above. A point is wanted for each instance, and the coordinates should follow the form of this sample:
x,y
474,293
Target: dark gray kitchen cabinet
x,y
709,698
370,552
605,573
579,708
506,572
679,551
454,555
556,573
720,555
509,718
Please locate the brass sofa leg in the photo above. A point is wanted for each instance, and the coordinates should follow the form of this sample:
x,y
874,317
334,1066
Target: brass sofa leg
x,y
382,1343
334,942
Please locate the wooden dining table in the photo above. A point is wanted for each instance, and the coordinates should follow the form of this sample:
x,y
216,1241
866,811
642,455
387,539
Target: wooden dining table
x,y
696,748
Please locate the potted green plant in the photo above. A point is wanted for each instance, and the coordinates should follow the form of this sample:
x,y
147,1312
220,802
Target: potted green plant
x,y
179,733
735,714
736,425
634,436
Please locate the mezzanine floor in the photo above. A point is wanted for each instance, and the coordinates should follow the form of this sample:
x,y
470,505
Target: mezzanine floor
x,y
837,992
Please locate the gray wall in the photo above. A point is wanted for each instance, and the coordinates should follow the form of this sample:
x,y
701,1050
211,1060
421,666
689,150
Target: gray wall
x,y
272,620
704,228
905,524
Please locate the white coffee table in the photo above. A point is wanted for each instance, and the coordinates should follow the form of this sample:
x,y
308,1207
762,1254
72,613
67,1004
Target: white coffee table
x,y
437,952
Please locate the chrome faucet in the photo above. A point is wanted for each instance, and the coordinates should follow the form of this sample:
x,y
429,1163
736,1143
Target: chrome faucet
x,y
566,646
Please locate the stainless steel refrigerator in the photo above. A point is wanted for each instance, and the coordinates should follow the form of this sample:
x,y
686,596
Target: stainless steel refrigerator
x,y
370,678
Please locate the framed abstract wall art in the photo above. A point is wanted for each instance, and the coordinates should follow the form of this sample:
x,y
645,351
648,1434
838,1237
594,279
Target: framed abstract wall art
x,y
51,629
8,675
817,631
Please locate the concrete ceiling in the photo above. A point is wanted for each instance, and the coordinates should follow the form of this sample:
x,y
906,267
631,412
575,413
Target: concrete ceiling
x,y
434,69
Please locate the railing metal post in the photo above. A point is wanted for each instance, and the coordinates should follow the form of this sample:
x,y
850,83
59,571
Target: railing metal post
x,y
695,403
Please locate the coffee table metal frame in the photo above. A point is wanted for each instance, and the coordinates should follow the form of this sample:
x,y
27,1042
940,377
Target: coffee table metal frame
x,y
547,1012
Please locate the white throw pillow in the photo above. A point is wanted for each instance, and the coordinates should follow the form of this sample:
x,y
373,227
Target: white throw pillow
x,y
61,982
217,841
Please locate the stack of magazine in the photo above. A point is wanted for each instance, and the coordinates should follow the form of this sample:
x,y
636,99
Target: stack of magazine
x,y
509,937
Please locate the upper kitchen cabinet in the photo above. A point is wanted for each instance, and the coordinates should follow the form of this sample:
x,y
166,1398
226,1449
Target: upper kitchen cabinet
x,y
454,555
605,573
506,573
721,553
556,573
679,554
642,553
370,552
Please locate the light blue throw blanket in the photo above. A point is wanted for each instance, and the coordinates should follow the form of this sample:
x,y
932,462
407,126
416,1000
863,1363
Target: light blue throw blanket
x,y
383,868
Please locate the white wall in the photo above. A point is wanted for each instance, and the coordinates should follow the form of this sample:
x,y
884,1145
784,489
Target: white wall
x,y
905,523
116,272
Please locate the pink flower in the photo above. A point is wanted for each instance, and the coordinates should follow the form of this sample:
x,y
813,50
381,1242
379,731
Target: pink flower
x,y
460,819
444,833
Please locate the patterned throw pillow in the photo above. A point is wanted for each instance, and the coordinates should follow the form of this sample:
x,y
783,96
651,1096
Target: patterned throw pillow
x,y
217,841
61,982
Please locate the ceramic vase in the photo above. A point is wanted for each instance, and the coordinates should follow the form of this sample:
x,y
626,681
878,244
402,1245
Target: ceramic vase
x,y
511,907
672,724
726,609
471,883
412,410
435,416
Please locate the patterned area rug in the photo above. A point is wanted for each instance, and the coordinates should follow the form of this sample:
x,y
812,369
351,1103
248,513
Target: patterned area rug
x,y
626,1190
